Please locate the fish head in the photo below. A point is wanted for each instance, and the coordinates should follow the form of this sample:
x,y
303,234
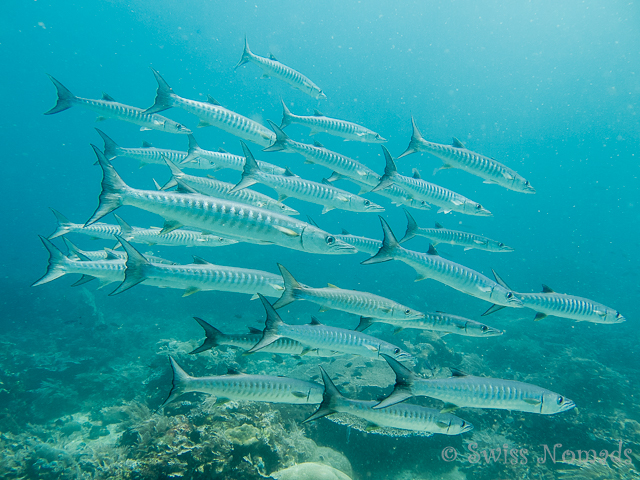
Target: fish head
x,y
374,137
287,210
449,424
609,315
481,330
499,247
396,353
521,184
216,241
506,297
315,240
555,403
320,95
405,313
174,127
368,206
476,209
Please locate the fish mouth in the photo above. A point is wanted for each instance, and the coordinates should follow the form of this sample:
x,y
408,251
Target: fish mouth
x,y
515,302
492,332
321,96
468,427
375,208
567,405
483,212
507,249
529,190
404,357
343,248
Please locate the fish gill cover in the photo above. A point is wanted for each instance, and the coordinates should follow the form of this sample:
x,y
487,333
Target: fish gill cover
x,y
509,137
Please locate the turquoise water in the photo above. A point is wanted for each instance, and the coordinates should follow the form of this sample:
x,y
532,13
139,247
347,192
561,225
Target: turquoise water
x,y
549,90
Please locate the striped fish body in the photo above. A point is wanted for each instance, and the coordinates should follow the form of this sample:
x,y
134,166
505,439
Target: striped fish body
x,y
439,322
106,271
457,156
176,238
398,197
462,239
362,244
273,68
104,231
107,254
569,306
152,155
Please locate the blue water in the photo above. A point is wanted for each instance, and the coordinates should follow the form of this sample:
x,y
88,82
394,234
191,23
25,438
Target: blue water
x,y
549,89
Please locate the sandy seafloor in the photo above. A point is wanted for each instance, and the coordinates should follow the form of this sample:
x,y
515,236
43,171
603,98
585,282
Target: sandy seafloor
x,y
550,90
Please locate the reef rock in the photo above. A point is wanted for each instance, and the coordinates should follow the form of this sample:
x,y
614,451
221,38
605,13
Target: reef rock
x,y
310,471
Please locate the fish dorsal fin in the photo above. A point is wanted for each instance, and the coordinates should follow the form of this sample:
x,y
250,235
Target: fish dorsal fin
x,y
432,250
213,101
146,144
222,150
457,143
289,173
184,188
111,255
326,182
200,261
499,280
438,225
315,321
457,373
107,98
546,289
345,232
272,57
233,371
318,113
317,144
416,174
331,285
255,330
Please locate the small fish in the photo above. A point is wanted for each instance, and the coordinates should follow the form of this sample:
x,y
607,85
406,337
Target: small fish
x,y
211,113
318,123
476,392
107,107
316,335
457,156
439,234
238,386
363,244
291,185
437,322
569,306
271,67
351,301
106,254
405,416
419,189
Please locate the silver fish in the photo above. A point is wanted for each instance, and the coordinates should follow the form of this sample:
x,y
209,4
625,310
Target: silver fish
x,y
231,219
437,322
318,123
364,304
432,265
569,306
211,113
405,416
106,254
271,67
291,185
476,392
363,244
457,156
420,189
216,188
439,234
316,335
104,231
238,386
107,107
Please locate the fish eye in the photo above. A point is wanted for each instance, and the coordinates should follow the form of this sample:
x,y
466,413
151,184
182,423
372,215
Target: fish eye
x,y
478,207
560,399
526,182
407,311
509,295
484,328
396,351
367,203
330,240
501,244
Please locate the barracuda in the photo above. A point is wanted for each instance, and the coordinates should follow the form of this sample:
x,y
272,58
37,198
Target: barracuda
x,y
453,237
222,159
271,67
405,417
457,156
362,244
438,322
245,341
476,392
107,254
150,236
211,113
290,185
238,386
198,276
218,189
318,123
107,107
454,275
419,189
230,219
569,306
351,301
316,335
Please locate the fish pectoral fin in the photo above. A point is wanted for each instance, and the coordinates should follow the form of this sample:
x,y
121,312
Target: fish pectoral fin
x,y
203,123
286,231
331,285
277,287
485,289
282,197
490,182
327,209
342,198
190,291
309,162
372,348
145,129
444,210
102,119
170,226
539,316
371,427
457,202
324,308
306,350
420,277
264,75
448,407
299,394
507,175
442,424
478,242
468,248
398,330
532,401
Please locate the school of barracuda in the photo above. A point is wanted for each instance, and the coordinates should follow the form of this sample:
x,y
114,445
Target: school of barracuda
x,y
203,211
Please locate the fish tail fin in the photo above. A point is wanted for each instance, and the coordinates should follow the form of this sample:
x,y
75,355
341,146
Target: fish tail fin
x,y
286,115
271,325
66,99
163,95
412,227
113,189
249,172
365,322
390,169
57,263
281,139
64,225
73,250
111,148
135,272
179,384
329,399
290,287
389,246
416,139
404,383
246,54
176,174
213,337
194,150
